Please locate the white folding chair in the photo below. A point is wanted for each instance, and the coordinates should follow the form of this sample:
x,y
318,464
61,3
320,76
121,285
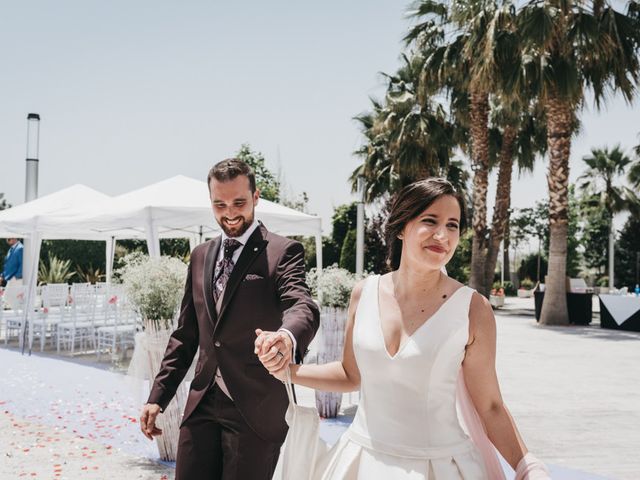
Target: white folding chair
x,y
52,313
78,329
13,298
118,332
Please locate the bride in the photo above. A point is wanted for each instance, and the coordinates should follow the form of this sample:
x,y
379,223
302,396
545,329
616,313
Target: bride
x,y
417,343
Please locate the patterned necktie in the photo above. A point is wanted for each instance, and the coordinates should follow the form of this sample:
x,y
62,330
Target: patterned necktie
x,y
224,267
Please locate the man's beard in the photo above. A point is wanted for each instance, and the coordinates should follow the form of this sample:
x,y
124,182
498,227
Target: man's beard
x,y
238,229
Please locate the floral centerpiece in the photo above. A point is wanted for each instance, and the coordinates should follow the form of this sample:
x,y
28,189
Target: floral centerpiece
x,y
333,288
153,287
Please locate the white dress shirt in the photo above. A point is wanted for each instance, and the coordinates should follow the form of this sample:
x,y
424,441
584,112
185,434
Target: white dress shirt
x,y
236,254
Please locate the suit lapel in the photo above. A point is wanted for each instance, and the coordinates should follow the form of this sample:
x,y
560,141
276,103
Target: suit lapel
x,y
254,247
209,264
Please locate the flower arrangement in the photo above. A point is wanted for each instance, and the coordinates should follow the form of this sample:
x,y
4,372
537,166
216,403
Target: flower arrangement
x,y
154,286
335,285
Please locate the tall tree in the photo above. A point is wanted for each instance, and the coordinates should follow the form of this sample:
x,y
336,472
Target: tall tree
x,y
595,235
469,51
567,46
628,254
4,248
266,181
407,137
520,137
605,167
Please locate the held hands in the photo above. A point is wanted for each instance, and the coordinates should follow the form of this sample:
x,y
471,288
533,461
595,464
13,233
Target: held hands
x,y
148,420
274,349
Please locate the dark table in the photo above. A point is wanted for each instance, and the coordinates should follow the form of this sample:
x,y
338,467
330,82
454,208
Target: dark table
x,y
579,305
620,312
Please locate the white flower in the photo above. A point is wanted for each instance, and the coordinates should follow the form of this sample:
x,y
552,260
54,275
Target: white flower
x,y
154,286
335,284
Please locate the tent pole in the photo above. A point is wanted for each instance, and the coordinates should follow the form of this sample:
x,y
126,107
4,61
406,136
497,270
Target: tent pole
x,y
153,242
111,251
27,312
319,260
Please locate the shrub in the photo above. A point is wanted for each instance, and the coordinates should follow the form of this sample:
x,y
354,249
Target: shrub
x,y
58,271
335,284
348,252
509,288
527,284
90,275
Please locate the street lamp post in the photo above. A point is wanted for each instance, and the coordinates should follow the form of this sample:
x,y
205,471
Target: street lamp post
x,y
33,152
360,229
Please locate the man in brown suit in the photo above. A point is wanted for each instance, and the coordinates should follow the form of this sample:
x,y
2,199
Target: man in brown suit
x,y
238,284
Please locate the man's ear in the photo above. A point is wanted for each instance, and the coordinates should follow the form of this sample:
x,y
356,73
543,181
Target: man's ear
x,y
256,196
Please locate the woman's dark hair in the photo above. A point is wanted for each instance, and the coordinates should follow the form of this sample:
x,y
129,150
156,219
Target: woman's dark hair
x,y
410,202
231,168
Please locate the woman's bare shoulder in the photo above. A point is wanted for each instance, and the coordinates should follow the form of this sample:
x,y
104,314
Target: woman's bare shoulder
x,y
481,316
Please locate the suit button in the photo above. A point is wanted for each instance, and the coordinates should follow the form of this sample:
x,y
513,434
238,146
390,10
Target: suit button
x,y
217,344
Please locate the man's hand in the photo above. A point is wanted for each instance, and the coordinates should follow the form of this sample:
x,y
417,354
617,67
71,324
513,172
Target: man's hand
x,y
274,349
148,420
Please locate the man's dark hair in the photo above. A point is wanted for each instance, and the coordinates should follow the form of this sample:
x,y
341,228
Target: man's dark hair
x,y
229,169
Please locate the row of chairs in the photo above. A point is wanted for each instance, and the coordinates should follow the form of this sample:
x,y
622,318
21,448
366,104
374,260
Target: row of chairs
x,y
80,317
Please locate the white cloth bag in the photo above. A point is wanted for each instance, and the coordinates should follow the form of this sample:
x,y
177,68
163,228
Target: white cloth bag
x,y
303,448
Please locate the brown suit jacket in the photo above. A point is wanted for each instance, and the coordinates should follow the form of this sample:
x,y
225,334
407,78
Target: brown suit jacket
x,y
266,290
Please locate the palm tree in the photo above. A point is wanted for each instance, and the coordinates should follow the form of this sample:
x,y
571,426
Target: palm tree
x,y
567,47
519,138
407,137
634,171
474,58
604,167
376,164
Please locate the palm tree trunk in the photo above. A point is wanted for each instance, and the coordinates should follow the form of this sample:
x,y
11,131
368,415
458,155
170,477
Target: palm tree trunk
x,y
502,205
506,244
479,113
559,130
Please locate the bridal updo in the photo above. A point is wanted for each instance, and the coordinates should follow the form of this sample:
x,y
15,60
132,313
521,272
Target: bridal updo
x,y
410,202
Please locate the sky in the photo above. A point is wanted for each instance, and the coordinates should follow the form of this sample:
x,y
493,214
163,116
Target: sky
x,y
131,93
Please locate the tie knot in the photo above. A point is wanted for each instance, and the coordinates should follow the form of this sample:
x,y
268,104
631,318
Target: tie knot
x,y
230,245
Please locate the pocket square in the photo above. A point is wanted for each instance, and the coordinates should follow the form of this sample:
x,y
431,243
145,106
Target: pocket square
x,y
253,276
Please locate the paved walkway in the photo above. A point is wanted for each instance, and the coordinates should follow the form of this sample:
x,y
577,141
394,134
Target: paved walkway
x,y
573,391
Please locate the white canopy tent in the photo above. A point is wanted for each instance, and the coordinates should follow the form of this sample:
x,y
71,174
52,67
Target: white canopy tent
x,y
22,221
178,207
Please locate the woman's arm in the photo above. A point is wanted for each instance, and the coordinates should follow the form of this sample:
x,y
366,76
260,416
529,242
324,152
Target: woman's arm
x,y
482,382
342,376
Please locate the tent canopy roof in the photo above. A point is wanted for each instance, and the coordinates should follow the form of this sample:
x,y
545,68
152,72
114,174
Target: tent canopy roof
x,y
22,219
176,207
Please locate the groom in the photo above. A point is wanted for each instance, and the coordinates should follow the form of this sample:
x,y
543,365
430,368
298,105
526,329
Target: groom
x,y
246,279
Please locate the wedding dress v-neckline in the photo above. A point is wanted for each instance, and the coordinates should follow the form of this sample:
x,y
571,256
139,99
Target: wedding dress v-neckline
x,y
415,332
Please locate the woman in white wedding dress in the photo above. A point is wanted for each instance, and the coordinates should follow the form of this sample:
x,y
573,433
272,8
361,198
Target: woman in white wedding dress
x,y
412,336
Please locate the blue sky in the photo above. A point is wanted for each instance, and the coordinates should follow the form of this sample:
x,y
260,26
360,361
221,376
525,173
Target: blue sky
x,y
135,92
